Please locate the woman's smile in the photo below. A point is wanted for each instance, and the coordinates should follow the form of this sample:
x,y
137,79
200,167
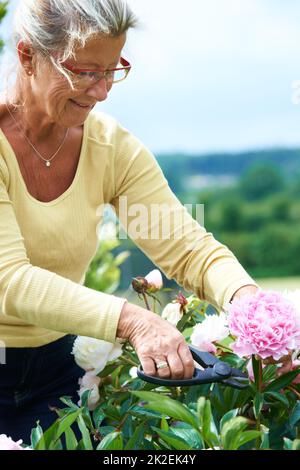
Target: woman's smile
x,y
81,105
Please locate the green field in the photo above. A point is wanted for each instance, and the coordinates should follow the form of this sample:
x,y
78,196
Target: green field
x,y
281,284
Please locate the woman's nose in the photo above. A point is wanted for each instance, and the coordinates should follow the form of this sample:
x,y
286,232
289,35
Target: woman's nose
x,y
99,90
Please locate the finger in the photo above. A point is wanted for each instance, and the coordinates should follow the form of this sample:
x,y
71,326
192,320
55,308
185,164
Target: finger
x,y
148,366
176,366
164,372
187,361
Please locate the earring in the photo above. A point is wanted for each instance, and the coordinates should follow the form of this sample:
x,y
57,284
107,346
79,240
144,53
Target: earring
x,y
29,72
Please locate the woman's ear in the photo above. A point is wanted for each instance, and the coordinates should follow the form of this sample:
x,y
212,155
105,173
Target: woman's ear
x,y
26,54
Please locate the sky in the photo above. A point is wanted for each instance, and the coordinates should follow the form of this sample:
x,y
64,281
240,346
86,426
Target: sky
x,y
210,75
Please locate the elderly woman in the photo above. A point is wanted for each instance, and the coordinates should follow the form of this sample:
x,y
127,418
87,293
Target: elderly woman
x,y
59,162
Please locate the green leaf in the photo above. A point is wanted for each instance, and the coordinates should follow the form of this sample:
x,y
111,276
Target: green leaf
x,y
170,438
295,415
71,441
139,411
36,435
107,370
85,434
67,401
265,442
207,424
255,367
98,416
288,444
136,438
104,430
282,381
269,373
229,415
189,435
67,421
278,396
48,437
257,404
84,398
112,412
245,437
164,424
52,434
113,441
296,444
231,432
182,322
80,445
167,406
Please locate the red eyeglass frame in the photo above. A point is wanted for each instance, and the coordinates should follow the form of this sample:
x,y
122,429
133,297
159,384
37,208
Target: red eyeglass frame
x,y
124,62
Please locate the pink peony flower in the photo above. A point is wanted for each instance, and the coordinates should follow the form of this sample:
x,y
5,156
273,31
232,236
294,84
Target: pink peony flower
x,y
264,324
6,443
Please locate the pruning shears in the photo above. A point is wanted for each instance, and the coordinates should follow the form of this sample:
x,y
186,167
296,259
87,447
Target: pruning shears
x,y
213,370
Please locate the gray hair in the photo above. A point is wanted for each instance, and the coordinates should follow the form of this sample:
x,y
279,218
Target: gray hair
x,y
61,25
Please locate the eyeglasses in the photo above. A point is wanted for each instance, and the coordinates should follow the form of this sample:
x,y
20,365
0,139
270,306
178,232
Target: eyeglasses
x,y
84,78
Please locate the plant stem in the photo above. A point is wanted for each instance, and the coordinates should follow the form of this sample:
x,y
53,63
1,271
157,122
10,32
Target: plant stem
x,y
121,424
129,361
146,301
290,387
259,386
223,347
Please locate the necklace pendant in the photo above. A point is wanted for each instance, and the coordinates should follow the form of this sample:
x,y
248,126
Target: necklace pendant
x,y
48,163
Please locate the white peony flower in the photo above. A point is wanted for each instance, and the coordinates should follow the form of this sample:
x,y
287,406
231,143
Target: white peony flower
x,y
172,312
154,278
90,382
93,354
6,443
213,328
133,372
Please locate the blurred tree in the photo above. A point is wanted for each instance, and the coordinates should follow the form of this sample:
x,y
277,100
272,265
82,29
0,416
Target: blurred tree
x,y
231,214
260,181
276,251
104,272
295,185
3,11
280,207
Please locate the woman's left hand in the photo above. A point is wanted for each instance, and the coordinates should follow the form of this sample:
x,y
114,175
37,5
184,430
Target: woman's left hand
x,y
245,290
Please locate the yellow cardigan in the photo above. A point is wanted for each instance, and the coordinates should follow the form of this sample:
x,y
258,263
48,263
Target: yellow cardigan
x,y
46,247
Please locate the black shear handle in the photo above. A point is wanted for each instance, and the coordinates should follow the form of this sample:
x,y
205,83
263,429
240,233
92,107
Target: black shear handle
x,y
195,380
214,371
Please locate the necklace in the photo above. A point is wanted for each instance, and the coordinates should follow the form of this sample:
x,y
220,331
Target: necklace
x,y
46,160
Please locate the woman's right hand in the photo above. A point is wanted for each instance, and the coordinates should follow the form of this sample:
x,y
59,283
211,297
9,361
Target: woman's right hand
x,y
155,341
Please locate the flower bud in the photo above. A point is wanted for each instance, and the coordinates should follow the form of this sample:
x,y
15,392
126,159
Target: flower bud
x,y
140,284
155,281
181,299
